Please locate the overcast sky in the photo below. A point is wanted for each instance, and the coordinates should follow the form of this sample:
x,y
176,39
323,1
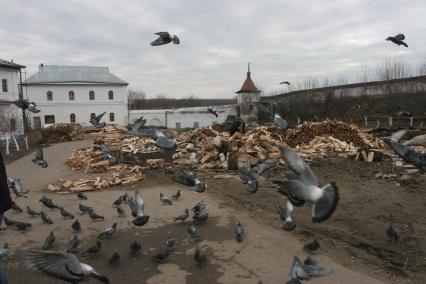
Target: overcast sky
x,y
284,40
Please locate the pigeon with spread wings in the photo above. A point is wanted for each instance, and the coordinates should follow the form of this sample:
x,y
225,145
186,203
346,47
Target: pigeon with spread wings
x,y
398,39
161,140
165,38
96,121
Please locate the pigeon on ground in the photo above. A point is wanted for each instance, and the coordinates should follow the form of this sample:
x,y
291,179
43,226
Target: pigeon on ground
x,y
22,226
312,247
302,185
32,213
199,219
15,207
239,232
137,124
45,218
249,178
391,234
108,232
199,207
95,216
47,202
285,82
66,214
49,241
118,202
76,227
183,216
4,252
73,245
81,196
84,209
115,258
165,38
139,207
407,153
96,121
106,154
27,105
61,265
190,178
200,257
39,158
93,250
135,248
9,222
161,140
176,196
301,271
212,111
15,185
398,39
193,231
120,212
164,252
165,200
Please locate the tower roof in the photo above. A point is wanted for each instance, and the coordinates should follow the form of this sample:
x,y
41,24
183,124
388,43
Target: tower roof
x,y
248,85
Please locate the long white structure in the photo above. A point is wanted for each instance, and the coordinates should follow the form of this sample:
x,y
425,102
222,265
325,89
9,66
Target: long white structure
x,y
75,93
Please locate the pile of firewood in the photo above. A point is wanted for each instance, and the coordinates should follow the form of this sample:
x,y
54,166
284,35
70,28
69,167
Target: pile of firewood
x,y
62,132
110,136
88,160
136,145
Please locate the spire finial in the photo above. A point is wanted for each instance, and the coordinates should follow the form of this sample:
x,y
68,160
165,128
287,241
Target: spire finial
x,y
248,67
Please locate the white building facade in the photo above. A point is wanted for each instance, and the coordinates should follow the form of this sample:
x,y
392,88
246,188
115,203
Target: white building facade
x,y
67,94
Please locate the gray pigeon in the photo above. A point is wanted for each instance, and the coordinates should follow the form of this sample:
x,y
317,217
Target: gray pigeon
x,y
61,265
66,214
306,271
137,125
31,212
4,252
193,231
76,227
120,212
302,185
164,252
199,207
267,165
391,234
135,248
177,195
15,185
49,241
398,39
39,158
200,257
84,209
106,154
48,202
183,216
239,232
45,218
95,216
22,226
270,108
249,178
93,250
96,121
190,178
161,140
138,210
81,196
165,38
165,200
73,244
108,232
199,219
27,105
115,258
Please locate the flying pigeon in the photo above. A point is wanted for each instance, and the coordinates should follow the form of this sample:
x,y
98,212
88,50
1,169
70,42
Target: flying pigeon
x,y
239,232
199,219
39,158
66,214
193,231
183,216
31,212
190,178
249,178
391,234
302,185
108,232
84,209
120,212
137,125
161,140
212,111
398,39
135,248
176,195
312,246
285,82
96,121
73,244
4,252
76,227
61,265
115,258
165,38
270,108
267,165
200,257
93,250
95,216
81,196
165,200
106,154
27,105
45,218
138,210
301,271
22,226
407,153
49,241
15,207
15,185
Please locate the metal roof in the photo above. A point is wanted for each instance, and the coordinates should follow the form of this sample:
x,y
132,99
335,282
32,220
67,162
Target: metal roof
x,y
10,64
58,74
248,86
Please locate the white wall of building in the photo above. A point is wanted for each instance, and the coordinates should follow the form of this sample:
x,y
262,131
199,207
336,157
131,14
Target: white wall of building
x,y
10,111
62,107
11,76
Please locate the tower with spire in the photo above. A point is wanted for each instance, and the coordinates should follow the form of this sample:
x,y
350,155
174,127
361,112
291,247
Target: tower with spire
x,y
247,95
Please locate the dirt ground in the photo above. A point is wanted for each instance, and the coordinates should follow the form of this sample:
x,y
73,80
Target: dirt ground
x,y
353,242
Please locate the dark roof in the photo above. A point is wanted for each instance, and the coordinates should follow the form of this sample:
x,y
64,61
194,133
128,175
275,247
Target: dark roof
x,y
248,86
10,64
354,85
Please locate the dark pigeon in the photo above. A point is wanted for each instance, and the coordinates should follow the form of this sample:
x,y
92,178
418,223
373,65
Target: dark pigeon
x,y
199,219
165,38
212,111
66,214
164,252
398,39
312,247
200,257
45,218
49,241
190,178
193,231
120,212
115,258
199,207
73,245
137,125
106,154
165,200
183,216
81,196
135,248
22,226
239,232
84,209
9,222
39,158
93,250
96,121
391,234
15,185
76,227
138,208
118,202
32,213
95,216
177,195
108,232
285,82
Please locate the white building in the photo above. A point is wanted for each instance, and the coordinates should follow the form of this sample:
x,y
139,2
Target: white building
x,y
191,117
75,93
11,118
247,95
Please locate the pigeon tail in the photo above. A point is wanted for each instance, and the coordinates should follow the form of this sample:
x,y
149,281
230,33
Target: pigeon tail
x,y
326,204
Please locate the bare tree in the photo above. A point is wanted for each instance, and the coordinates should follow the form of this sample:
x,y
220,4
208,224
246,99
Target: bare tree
x,y
421,68
393,69
136,98
8,120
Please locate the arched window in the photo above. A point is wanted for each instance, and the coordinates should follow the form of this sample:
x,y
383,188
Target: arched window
x,y
72,117
111,116
92,95
92,115
71,95
49,96
110,95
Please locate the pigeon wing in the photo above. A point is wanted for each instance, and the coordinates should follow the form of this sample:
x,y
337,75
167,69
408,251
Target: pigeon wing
x,y
400,37
140,204
176,40
398,135
316,271
297,271
163,34
60,265
138,124
294,190
299,166
164,143
282,123
326,204
99,117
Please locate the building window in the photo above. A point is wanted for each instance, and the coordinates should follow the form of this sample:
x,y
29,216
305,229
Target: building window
x,y
196,125
72,117
71,95
111,116
177,125
92,116
4,85
92,95
49,96
12,124
49,119
110,95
